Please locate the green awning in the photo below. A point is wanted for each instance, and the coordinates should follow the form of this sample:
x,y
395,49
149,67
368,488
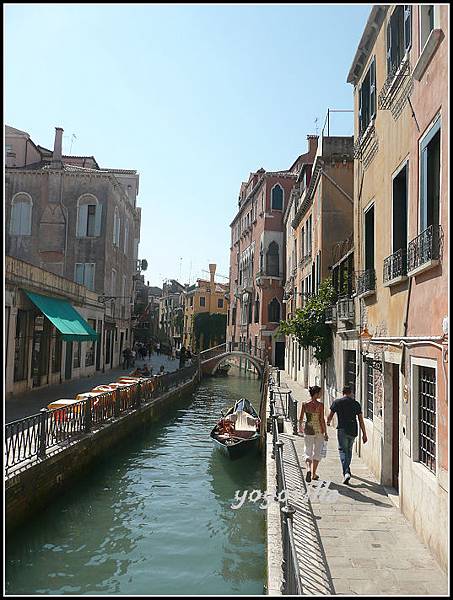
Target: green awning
x,y
70,324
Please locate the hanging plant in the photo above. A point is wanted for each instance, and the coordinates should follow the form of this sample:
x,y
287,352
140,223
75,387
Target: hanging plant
x,y
308,324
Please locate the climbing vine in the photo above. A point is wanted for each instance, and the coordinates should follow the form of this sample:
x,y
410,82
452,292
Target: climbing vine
x,y
308,324
212,327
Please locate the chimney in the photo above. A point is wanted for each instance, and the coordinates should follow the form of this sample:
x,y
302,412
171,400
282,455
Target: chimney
x,y
57,147
312,143
212,269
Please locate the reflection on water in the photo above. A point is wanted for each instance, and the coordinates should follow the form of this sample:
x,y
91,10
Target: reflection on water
x,y
154,516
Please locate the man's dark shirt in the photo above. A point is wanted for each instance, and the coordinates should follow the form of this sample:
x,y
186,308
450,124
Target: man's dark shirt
x,y
347,409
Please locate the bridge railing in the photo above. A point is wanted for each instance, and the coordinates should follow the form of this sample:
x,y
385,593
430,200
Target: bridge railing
x,y
259,353
213,352
34,437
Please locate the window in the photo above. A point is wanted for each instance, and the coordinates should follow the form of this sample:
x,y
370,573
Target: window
x,y
84,274
116,228
77,354
202,301
426,23
369,389
277,197
427,417
21,211
233,316
88,216
367,97
272,260
349,369
398,36
20,350
399,235
90,346
126,236
219,302
274,311
369,238
302,243
430,177
257,310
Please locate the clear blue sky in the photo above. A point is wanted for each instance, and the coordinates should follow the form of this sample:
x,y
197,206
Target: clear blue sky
x,y
192,96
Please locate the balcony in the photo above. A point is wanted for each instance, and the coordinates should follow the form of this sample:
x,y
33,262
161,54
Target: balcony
x,y
330,314
395,268
345,309
366,283
262,275
423,252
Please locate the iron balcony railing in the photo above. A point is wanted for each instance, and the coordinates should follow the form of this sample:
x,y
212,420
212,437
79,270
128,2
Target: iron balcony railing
x,y
330,314
345,309
292,583
424,248
366,282
38,436
395,265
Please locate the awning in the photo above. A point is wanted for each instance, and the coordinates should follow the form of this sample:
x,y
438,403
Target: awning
x,y
70,324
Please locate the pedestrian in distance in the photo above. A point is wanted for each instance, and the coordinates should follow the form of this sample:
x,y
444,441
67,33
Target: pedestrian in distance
x,y
347,410
126,358
182,357
315,431
158,348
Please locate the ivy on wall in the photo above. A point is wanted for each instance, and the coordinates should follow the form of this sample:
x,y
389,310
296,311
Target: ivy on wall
x,y
308,324
212,327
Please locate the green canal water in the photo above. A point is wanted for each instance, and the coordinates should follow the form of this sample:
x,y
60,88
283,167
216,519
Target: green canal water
x,y
155,516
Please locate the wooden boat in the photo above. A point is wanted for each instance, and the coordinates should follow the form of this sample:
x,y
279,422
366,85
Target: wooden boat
x,y
222,371
237,432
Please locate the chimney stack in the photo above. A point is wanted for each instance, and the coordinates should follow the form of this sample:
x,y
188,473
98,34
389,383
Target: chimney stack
x,y
212,269
57,147
312,143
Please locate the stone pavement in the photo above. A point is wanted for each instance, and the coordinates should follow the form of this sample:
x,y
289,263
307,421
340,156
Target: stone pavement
x,y
31,402
357,542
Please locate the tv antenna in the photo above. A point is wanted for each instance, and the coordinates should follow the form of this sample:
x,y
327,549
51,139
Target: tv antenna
x,y
73,137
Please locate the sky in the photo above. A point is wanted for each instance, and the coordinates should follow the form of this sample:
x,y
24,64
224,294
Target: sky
x,y
194,97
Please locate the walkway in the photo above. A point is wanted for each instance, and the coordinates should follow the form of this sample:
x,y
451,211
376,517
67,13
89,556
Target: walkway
x,y
358,542
31,402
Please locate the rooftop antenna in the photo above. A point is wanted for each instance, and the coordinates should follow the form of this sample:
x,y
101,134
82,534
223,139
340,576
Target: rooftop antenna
x,y
316,125
190,272
180,267
73,137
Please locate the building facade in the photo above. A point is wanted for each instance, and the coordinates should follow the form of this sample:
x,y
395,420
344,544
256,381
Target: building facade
x,y
171,314
400,81
257,265
38,352
68,216
206,297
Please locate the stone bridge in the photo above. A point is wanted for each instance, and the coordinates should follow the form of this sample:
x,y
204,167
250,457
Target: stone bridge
x,y
210,359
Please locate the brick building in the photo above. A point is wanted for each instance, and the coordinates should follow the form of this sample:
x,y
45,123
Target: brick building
x,y
70,217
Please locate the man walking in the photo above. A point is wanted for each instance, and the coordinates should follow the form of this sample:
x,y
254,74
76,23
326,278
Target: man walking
x,y
347,409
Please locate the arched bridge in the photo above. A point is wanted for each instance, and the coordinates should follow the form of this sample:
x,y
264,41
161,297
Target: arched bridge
x,y
210,359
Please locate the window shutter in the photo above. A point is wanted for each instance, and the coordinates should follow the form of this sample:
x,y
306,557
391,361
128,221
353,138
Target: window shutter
x,y
360,111
78,274
15,218
82,218
373,88
98,220
389,48
89,276
407,26
424,188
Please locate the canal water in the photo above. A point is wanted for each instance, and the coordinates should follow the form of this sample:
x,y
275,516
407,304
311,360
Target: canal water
x,y
155,516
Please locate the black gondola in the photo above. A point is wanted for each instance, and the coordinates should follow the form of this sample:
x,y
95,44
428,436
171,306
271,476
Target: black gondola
x,y
239,434
222,371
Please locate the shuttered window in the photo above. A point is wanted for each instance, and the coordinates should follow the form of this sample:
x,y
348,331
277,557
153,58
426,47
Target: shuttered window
x,y
84,274
21,211
89,217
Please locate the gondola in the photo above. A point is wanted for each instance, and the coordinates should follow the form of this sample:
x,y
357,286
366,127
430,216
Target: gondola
x,y
222,371
237,432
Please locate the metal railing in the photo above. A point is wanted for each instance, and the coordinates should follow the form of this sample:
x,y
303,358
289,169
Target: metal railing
x,y
259,353
424,248
366,282
395,265
292,583
213,352
330,314
34,437
345,309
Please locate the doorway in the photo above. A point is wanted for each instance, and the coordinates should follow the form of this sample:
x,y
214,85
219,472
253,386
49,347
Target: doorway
x,y
68,361
279,355
395,425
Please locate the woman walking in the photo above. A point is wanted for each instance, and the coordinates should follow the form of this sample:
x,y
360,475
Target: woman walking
x,y
315,431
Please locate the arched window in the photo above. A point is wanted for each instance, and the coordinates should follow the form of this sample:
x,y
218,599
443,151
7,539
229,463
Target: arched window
x,y
272,260
277,197
116,228
126,235
274,311
257,310
89,213
21,209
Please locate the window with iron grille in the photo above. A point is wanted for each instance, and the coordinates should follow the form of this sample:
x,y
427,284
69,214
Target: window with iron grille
x,y
369,388
349,369
427,417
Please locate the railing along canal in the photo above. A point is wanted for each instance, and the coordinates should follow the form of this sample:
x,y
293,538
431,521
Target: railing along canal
x,y
36,436
292,584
